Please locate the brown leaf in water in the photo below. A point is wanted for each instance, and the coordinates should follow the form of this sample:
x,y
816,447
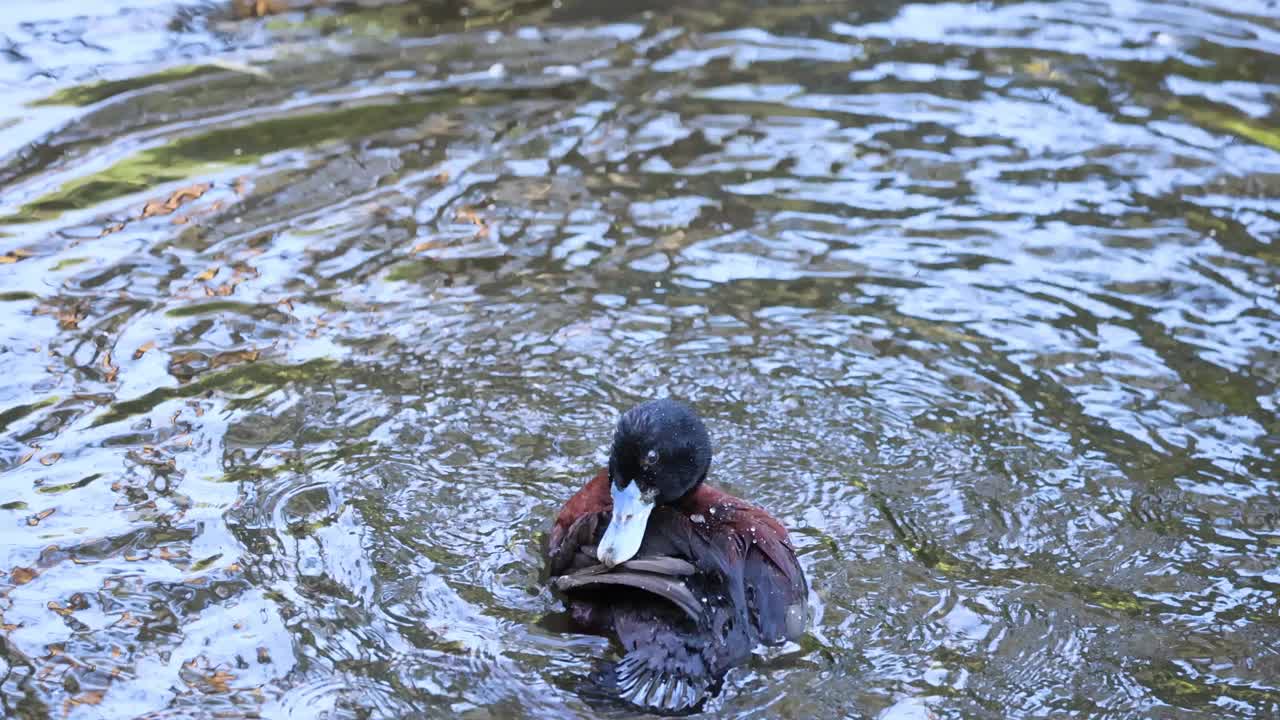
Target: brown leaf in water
x,y
471,216
57,607
127,618
153,207
219,681
208,274
258,8
142,350
174,201
50,459
428,245
69,319
35,519
233,357
112,369
14,256
92,697
26,457
22,575
112,228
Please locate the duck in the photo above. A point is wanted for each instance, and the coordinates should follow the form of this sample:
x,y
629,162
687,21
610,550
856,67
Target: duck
x,y
687,578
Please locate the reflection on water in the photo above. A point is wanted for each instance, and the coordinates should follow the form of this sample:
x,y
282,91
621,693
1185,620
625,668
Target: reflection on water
x,y
309,322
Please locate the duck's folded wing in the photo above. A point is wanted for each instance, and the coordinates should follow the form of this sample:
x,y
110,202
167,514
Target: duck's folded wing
x,y
574,547
578,527
777,595
660,565
660,575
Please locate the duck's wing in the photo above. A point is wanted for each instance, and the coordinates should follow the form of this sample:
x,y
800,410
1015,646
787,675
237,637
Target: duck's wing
x,y
575,548
669,665
752,546
774,585
663,669
578,527
662,576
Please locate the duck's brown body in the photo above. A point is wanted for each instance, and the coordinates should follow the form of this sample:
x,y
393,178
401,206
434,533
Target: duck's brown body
x,y
714,577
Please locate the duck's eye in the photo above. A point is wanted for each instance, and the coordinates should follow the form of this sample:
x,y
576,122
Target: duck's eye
x,y
650,458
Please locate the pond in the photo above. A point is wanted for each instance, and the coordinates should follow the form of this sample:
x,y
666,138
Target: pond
x,y
311,316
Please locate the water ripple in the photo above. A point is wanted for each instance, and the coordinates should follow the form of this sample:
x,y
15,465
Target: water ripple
x,y
311,322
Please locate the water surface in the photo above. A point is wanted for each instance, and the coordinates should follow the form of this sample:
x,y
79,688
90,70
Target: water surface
x,y
309,323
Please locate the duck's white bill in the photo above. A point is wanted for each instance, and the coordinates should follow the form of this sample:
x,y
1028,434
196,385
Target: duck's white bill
x,y
622,539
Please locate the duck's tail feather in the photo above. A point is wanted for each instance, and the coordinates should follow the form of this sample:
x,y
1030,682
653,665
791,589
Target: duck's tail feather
x,y
639,683
635,681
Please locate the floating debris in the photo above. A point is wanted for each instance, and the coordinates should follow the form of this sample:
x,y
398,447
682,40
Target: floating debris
x,y
22,575
175,200
14,256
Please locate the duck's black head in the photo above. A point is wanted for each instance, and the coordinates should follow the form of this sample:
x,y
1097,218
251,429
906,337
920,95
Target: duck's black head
x,y
663,446
661,452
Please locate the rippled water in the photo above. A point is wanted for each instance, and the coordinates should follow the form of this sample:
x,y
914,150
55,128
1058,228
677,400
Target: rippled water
x,y
308,324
